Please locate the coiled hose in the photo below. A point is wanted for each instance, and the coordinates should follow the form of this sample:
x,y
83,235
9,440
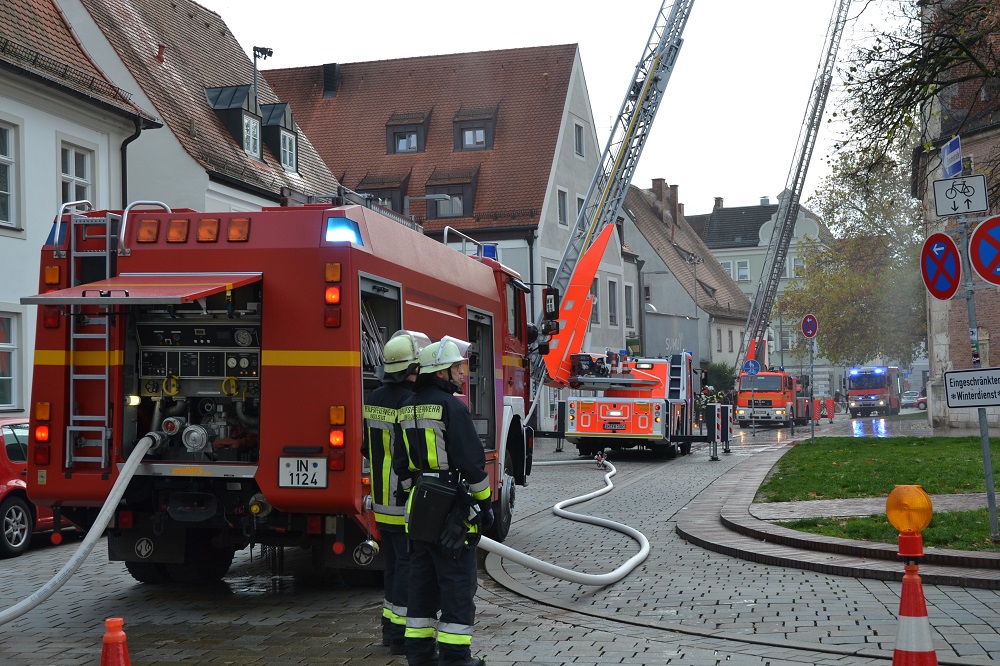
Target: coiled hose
x,y
535,564
95,532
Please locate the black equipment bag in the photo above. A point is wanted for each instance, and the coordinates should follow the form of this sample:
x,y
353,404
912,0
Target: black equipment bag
x,y
430,506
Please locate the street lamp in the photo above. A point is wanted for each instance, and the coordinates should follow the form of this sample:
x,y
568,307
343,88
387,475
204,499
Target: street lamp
x,y
428,197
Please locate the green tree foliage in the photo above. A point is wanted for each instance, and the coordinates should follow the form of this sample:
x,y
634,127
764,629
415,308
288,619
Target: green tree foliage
x,y
933,69
721,376
863,280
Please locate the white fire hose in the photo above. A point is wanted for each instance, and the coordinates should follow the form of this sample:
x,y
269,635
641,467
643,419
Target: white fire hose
x,y
95,532
567,574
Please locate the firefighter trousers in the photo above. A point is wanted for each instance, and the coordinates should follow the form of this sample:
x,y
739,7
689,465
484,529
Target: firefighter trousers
x,y
451,583
396,556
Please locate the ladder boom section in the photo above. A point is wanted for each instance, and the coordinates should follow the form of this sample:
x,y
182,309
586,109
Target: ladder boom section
x,y
788,208
621,154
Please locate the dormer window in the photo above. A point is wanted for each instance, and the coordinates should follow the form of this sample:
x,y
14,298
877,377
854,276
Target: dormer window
x,y
251,136
459,185
288,150
280,134
474,128
406,132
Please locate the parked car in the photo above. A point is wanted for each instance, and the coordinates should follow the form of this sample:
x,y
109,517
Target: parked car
x,y
19,518
909,399
922,402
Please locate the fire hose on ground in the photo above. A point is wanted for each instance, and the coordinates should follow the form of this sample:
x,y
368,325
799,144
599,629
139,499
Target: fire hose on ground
x,y
95,532
540,566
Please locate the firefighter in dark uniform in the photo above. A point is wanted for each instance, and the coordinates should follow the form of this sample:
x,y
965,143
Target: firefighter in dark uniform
x,y
445,451
390,476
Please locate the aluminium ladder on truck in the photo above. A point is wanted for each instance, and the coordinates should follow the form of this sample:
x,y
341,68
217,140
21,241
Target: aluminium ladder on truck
x,y
621,154
788,208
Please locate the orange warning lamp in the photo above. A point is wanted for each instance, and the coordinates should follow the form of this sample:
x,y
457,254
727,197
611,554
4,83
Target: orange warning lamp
x,y
909,510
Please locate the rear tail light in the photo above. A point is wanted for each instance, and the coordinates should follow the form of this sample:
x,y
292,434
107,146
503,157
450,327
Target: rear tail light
x,y
42,454
331,317
125,521
337,460
42,432
314,524
50,316
337,438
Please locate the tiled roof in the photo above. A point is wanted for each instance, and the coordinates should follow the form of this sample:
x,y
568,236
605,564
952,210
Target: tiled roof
x,y
200,53
35,38
717,293
525,89
736,227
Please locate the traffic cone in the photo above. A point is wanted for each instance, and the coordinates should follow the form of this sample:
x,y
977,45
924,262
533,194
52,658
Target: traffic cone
x,y
913,637
115,651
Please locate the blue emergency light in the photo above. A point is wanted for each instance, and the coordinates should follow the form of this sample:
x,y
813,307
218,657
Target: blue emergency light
x,y
490,251
341,229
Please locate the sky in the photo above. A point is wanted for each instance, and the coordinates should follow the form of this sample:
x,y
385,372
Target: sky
x,y
732,111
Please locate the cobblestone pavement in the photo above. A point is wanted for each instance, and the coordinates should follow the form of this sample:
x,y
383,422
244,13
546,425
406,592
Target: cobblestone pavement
x,y
683,605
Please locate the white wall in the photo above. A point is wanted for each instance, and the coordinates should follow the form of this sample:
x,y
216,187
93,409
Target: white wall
x,y
40,119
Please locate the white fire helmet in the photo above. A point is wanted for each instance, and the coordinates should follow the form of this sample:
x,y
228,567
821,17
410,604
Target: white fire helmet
x,y
442,355
402,350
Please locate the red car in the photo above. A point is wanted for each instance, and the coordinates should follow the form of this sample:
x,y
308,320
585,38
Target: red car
x,y
19,518
922,402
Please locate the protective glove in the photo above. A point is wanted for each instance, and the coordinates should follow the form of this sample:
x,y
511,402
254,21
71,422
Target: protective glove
x,y
485,519
452,539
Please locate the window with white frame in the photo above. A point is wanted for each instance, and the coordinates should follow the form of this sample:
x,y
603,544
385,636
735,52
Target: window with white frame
x,y
730,340
77,173
288,151
8,212
629,307
743,271
251,136
786,340
718,339
561,204
550,274
405,141
578,139
595,290
8,359
579,206
798,267
474,138
453,207
727,266
612,303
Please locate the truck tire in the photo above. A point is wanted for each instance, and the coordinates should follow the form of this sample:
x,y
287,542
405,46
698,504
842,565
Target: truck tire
x,y
17,524
503,508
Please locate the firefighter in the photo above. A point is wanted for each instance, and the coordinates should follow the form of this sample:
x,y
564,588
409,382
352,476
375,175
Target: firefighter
x,y
446,453
383,446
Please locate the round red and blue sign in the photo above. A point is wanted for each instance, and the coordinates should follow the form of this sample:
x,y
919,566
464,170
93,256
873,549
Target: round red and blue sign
x,y
984,250
810,326
941,266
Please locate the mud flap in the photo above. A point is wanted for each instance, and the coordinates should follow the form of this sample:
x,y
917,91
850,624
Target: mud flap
x,y
164,546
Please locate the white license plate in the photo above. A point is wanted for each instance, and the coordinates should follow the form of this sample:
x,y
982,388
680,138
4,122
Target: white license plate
x,y
614,426
302,472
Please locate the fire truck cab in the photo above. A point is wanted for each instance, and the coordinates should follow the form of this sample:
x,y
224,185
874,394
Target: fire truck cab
x,y
244,344
872,389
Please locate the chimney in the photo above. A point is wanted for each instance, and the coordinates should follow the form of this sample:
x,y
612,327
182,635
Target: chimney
x,y
660,194
680,211
160,49
676,210
718,202
764,201
331,79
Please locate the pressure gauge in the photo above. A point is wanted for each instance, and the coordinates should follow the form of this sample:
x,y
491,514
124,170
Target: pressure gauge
x,y
244,362
243,337
231,361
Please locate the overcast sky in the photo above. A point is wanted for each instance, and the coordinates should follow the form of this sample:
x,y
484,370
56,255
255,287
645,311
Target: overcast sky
x,y
731,114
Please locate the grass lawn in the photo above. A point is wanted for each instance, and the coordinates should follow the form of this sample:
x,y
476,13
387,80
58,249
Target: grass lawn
x,y
955,530
845,467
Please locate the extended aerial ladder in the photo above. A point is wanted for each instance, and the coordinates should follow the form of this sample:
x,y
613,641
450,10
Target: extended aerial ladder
x,y
788,208
621,154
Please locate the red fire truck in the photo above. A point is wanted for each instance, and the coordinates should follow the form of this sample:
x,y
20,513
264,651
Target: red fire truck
x,y
646,403
876,388
243,344
771,396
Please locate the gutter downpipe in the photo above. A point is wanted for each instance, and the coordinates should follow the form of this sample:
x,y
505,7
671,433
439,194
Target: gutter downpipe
x,y
124,150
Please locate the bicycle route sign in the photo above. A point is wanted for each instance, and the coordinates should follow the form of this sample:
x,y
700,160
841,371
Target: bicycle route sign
x,y
960,196
941,266
984,250
810,326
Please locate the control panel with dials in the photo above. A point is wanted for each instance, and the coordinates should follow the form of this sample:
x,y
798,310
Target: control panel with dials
x,y
199,351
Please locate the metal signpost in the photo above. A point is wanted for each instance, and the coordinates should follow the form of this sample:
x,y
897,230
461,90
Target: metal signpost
x,y
959,197
810,326
752,367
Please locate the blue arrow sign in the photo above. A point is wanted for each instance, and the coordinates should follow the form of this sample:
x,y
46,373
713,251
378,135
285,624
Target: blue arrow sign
x,y
751,367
